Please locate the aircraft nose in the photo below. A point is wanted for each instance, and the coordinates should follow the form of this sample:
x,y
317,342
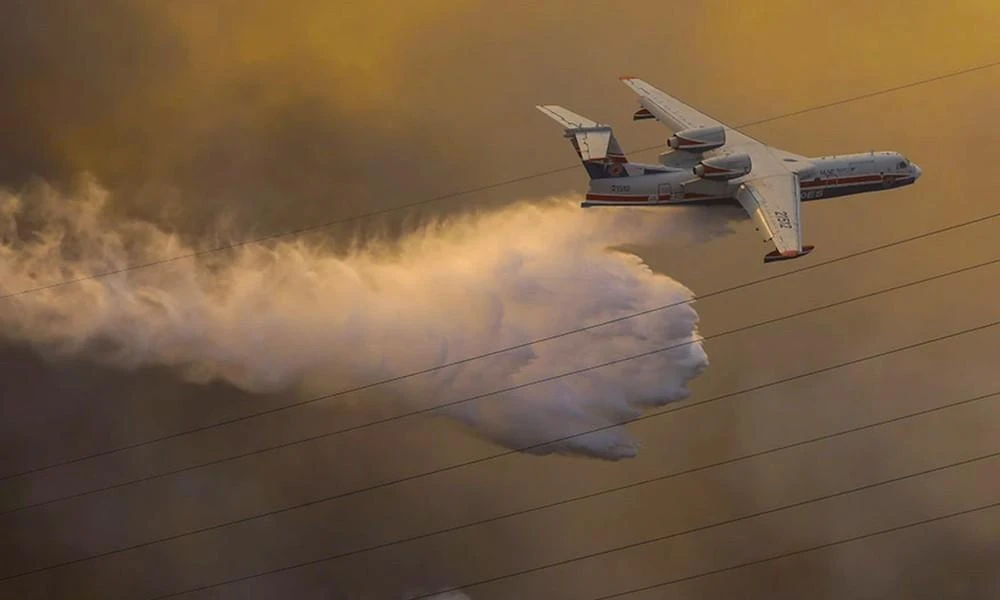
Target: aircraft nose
x,y
917,172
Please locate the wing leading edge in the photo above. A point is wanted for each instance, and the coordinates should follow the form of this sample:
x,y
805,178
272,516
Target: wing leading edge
x,y
668,110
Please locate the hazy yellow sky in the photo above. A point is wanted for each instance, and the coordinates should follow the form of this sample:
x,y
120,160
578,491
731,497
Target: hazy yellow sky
x,y
285,114
309,95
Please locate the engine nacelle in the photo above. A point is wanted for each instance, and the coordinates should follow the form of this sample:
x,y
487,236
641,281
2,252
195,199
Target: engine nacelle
x,y
698,139
724,167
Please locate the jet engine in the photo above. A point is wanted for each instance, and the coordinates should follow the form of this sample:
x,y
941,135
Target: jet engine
x,y
724,167
698,139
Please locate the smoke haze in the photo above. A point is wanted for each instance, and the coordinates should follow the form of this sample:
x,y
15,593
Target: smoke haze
x,y
285,115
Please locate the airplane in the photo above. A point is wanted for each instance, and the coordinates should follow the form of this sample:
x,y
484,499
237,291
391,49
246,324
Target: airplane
x,y
710,163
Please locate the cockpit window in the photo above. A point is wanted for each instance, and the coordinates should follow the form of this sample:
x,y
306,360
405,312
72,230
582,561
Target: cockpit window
x,y
901,165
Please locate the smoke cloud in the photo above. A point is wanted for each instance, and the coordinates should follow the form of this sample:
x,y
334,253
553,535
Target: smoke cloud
x,y
299,315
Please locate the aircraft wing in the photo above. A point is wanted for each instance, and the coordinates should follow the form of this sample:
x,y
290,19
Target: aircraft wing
x,y
679,116
770,194
773,204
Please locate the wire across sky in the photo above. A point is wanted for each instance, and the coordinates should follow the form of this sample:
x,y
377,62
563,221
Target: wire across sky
x,y
535,382
949,405
315,399
715,465
472,190
498,351
478,461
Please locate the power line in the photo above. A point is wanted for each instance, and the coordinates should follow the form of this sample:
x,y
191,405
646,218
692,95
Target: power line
x,y
775,557
507,389
495,352
548,338
466,191
690,405
620,488
718,524
881,92
559,335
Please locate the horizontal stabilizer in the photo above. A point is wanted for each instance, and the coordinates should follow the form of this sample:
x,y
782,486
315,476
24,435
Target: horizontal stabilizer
x,y
592,138
568,118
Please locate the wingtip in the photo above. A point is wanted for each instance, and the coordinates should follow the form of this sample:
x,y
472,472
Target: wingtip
x,y
626,77
776,255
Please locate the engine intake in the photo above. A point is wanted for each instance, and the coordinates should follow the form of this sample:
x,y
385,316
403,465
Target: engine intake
x,y
698,139
724,167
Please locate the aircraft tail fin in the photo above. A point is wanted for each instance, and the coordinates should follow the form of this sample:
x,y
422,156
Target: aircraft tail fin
x,y
594,143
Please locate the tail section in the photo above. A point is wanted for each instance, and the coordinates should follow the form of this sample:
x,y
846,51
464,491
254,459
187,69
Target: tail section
x,y
594,143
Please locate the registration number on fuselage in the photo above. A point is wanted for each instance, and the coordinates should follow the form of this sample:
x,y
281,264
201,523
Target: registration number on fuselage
x,y
621,188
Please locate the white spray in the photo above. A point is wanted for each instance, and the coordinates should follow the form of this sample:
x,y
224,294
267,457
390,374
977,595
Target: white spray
x,y
267,317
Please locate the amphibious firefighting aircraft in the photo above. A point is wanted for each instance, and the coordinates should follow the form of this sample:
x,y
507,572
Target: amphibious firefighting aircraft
x,y
710,163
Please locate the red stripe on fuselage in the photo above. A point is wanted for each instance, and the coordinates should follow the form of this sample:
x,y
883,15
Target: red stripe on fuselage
x,y
813,183
643,197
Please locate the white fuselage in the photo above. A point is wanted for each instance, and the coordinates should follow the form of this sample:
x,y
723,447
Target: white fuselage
x,y
673,182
